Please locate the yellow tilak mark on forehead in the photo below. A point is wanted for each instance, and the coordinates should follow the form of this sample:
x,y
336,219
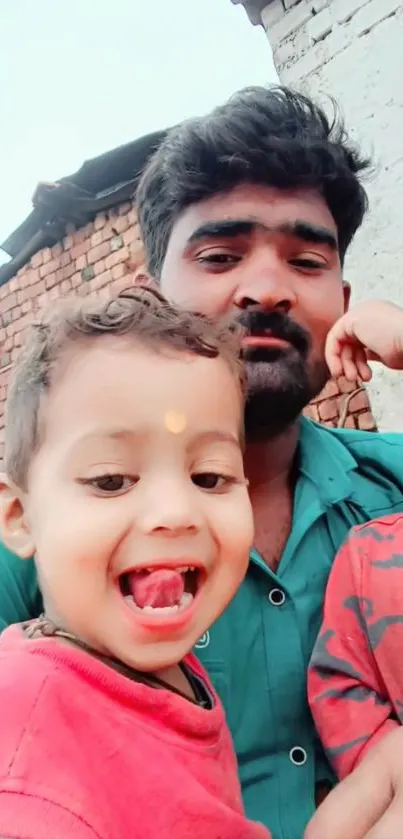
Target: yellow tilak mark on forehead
x,y
175,422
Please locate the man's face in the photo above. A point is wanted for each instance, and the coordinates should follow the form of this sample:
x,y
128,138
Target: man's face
x,y
272,255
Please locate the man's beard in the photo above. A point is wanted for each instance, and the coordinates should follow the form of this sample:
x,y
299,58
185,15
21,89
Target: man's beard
x,y
280,381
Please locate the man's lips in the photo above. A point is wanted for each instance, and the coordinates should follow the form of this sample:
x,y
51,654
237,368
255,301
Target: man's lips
x,y
252,341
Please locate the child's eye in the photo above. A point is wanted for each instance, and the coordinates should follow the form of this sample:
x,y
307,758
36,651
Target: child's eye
x,y
212,481
111,484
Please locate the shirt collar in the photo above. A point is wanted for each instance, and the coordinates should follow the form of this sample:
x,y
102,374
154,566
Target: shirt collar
x,y
325,461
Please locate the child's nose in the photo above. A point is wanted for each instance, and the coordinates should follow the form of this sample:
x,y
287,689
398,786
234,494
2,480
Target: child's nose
x,y
173,511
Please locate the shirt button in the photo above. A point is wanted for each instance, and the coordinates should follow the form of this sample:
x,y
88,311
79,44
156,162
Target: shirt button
x,y
276,597
298,756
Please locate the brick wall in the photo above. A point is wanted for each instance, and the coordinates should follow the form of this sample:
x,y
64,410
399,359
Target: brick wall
x,y
101,258
351,49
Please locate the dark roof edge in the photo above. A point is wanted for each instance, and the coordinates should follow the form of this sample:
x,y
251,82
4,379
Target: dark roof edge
x,y
100,184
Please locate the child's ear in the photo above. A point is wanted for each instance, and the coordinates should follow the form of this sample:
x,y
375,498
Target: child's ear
x,y
144,279
14,529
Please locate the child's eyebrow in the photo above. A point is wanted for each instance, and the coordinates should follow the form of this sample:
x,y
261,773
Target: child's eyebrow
x,y
213,436
125,435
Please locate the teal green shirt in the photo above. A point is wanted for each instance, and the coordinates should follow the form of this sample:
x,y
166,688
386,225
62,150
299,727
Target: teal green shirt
x,y
258,651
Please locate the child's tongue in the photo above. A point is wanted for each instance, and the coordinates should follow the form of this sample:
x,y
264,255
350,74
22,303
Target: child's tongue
x,y
160,588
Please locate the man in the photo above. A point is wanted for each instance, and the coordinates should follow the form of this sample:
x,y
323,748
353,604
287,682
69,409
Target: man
x,y
251,210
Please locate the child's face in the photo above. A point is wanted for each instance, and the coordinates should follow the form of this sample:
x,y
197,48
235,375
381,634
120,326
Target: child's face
x,y
140,468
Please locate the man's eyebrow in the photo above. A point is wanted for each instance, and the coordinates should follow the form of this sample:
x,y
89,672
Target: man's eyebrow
x,y
232,228
310,233
227,228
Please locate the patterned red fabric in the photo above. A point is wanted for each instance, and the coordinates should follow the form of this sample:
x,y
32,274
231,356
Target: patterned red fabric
x,y
355,682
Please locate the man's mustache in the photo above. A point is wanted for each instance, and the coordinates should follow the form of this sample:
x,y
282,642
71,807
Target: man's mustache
x,y
258,322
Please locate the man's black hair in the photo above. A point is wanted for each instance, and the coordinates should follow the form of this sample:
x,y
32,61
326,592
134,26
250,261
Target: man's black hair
x,y
269,136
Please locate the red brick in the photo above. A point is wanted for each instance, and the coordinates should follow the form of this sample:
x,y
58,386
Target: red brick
x,y
96,238
131,237
100,280
359,402
79,236
57,250
88,230
76,280
346,386
329,409
100,267
81,262
46,255
114,258
50,280
99,221
125,208
108,230
121,223
37,259
68,243
65,259
66,286
48,268
79,250
9,302
366,422
349,423
100,252
118,271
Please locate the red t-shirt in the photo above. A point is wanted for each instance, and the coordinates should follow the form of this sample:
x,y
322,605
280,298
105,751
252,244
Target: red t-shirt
x,y
355,682
86,753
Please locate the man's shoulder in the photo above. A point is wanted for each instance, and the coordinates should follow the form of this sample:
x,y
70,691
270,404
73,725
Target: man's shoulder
x,y
371,440
363,441
383,448
20,598
371,462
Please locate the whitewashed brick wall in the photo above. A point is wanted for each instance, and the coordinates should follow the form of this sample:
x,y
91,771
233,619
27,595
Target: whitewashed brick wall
x,y
353,50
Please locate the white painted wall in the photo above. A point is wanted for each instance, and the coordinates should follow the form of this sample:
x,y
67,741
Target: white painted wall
x,y
353,50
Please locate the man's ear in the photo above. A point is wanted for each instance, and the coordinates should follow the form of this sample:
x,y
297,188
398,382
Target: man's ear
x,y
346,294
14,529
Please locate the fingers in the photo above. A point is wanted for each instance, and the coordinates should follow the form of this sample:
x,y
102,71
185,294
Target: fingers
x,y
349,360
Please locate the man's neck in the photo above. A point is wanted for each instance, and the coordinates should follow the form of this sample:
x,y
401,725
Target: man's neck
x,y
270,461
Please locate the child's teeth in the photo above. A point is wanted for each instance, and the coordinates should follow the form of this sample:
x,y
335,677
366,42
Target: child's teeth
x,y
184,602
186,599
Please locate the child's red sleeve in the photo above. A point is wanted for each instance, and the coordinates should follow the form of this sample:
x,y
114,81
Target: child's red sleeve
x,y
33,817
347,697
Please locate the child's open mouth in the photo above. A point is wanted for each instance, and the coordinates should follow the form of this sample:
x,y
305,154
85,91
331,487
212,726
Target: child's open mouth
x,y
161,591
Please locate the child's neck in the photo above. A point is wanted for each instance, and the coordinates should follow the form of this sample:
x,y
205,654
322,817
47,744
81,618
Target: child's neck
x,y
175,678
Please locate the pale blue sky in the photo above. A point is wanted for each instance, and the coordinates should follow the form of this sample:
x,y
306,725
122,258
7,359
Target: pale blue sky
x,y
78,78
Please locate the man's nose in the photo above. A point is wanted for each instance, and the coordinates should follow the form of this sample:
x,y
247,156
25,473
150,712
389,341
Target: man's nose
x,y
171,511
266,283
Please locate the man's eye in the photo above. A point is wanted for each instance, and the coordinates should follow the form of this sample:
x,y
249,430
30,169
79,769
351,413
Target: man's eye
x,y
111,484
308,264
212,480
218,259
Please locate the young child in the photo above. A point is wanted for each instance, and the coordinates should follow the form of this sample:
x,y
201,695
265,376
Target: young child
x,y
125,481
355,682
